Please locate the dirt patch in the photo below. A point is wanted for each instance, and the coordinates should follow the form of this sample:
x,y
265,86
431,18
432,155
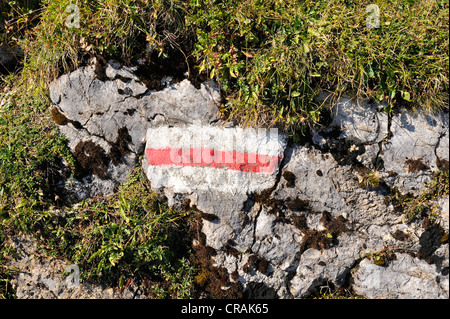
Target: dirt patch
x,y
416,165
91,160
290,178
322,239
120,148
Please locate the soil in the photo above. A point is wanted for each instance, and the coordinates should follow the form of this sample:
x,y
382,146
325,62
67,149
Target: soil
x,y
120,148
91,160
416,165
290,178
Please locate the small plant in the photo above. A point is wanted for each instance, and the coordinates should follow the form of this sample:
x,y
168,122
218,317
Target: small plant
x,y
369,180
380,258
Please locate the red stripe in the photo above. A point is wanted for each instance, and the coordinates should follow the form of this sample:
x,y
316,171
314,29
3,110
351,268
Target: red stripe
x,y
246,162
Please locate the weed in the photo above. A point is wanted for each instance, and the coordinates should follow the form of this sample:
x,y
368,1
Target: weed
x,y
369,180
381,257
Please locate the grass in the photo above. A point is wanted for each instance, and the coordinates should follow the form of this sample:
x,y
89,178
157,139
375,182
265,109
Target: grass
x,y
271,59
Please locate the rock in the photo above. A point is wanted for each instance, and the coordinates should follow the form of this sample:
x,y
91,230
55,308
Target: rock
x,y
403,278
419,142
356,129
212,159
39,278
106,118
284,219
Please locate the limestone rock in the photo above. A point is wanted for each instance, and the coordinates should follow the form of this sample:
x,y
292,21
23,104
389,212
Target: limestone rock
x,y
107,118
418,146
39,278
403,278
309,220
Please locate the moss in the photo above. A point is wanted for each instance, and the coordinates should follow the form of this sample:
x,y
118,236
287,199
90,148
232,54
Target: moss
x,y
230,250
379,261
297,204
416,165
323,239
290,178
91,160
58,117
442,164
399,235
300,222
208,217
263,265
212,280
120,148
201,278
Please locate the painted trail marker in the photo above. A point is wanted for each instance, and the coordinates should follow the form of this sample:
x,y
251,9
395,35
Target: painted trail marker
x,y
197,157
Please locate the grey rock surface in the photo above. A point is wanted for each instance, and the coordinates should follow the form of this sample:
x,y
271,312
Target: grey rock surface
x,y
312,222
404,278
39,278
114,113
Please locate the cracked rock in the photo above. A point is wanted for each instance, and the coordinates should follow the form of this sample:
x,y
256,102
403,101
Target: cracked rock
x,y
114,113
292,220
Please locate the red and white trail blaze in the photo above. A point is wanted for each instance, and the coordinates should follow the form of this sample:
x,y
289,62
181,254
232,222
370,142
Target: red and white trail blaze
x,y
233,160
195,157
